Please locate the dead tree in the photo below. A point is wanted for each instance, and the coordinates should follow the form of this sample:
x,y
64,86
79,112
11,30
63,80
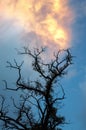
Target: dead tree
x,y
40,95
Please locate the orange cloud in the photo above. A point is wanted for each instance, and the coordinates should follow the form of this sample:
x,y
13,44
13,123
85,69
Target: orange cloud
x,y
50,20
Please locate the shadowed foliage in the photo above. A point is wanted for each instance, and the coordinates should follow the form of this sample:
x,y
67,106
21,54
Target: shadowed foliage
x,y
39,99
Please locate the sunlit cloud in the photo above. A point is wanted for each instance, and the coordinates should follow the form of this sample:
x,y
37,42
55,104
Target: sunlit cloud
x,y
50,21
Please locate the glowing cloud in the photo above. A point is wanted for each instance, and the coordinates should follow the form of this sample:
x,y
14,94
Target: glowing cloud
x,y
50,20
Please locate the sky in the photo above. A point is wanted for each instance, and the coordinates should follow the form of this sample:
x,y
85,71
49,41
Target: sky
x,y
57,25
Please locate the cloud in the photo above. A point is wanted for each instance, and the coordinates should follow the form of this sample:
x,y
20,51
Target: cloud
x,y
49,20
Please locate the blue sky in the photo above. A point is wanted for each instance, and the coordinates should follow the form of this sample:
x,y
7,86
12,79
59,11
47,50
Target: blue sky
x,y
74,83
76,86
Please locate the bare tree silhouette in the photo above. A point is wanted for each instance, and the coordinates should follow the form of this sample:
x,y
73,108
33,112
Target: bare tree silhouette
x,y
40,97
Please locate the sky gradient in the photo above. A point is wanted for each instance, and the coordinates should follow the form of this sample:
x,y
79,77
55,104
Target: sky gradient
x,y
45,25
